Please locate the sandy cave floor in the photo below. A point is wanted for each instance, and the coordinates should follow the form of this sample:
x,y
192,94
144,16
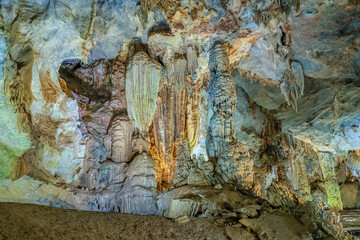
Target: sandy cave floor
x,y
27,221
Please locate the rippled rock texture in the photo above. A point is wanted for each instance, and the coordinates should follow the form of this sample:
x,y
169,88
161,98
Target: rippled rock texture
x,y
183,107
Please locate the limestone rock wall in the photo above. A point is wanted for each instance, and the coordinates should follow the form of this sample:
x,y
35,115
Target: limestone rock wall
x,y
127,105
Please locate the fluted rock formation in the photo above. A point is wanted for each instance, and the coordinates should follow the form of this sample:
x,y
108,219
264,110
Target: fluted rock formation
x,y
222,99
233,162
139,192
121,139
193,171
13,144
144,77
176,116
168,128
183,164
293,85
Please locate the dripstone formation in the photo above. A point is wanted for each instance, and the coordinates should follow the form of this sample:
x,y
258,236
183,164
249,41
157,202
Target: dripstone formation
x,y
247,110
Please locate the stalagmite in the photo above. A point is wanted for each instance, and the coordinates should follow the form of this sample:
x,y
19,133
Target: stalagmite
x,y
139,192
232,160
121,142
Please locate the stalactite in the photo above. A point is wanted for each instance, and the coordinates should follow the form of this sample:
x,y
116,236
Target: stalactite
x,y
169,126
180,75
143,79
149,5
191,56
298,77
176,72
192,124
292,86
176,117
154,153
118,79
253,77
271,128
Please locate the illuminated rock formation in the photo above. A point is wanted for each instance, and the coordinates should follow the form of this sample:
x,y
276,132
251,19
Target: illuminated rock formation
x,y
233,162
182,107
176,117
144,77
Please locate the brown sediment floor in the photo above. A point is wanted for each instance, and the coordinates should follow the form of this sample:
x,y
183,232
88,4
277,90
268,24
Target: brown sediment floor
x,y
27,221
